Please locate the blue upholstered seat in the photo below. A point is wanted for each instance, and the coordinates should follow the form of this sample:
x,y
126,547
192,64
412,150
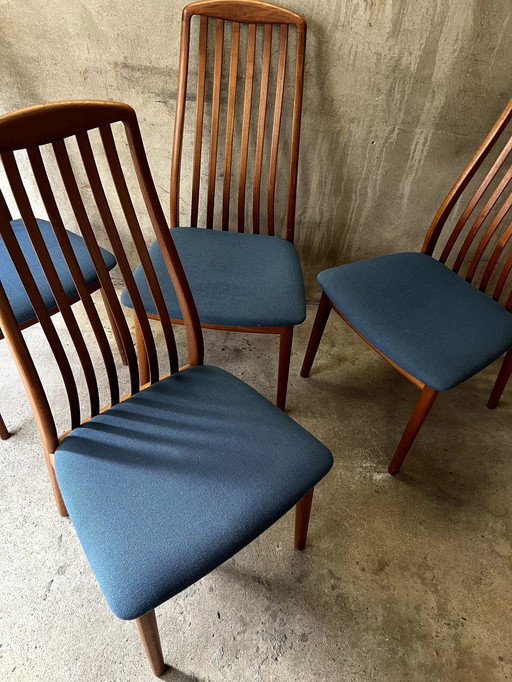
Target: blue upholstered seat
x,y
12,284
240,280
421,315
167,485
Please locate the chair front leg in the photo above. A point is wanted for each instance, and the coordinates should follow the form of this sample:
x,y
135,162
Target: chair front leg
x,y
4,433
302,514
322,314
425,402
148,630
285,351
501,380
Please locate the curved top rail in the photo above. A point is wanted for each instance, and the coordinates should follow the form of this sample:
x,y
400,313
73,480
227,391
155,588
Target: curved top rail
x,y
45,123
246,11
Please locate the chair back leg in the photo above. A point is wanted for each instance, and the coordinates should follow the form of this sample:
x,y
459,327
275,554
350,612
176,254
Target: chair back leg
x,y
425,402
501,381
285,352
322,314
4,433
148,630
302,513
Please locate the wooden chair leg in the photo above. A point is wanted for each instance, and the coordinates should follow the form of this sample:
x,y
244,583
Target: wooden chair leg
x,y
285,351
115,330
4,433
425,402
141,354
302,513
501,381
148,630
322,314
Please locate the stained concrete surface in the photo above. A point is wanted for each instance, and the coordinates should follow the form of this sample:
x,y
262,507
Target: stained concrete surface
x,y
405,578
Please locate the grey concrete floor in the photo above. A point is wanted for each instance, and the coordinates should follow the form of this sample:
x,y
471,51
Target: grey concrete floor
x,y
405,578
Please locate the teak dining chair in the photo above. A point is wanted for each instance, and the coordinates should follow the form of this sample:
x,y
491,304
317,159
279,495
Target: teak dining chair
x,y
170,480
19,301
438,320
245,154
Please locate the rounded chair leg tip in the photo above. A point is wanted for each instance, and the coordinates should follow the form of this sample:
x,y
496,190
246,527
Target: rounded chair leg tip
x,y
158,672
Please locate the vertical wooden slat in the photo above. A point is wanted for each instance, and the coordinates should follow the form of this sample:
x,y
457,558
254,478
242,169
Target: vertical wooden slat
x,y
198,140
276,126
230,122
82,218
195,345
138,240
487,237
214,133
246,123
174,193
508,304
260,133
62,238
439,221
295,139
487,208
500,283
57,289
4,209
474,201
31,289
100,198
497,251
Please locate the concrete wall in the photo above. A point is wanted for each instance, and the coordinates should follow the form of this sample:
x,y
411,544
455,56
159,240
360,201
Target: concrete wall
x,y
398,95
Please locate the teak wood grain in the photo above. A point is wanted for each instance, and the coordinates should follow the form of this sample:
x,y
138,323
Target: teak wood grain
x,y
482,253
229,20
246,128
74,154
482,245
40,126
81,117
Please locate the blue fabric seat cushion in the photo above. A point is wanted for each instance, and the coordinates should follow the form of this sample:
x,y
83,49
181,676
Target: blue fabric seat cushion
x,y
170,483
421,315
12,284
237,279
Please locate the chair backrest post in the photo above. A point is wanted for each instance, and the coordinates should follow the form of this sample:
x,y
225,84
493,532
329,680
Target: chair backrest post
x,y
29,375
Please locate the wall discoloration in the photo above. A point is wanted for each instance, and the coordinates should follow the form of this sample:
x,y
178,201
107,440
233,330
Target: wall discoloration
x,y
398,95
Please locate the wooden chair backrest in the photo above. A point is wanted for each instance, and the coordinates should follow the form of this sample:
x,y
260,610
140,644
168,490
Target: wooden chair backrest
x,y
245,122
46,134
478,246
